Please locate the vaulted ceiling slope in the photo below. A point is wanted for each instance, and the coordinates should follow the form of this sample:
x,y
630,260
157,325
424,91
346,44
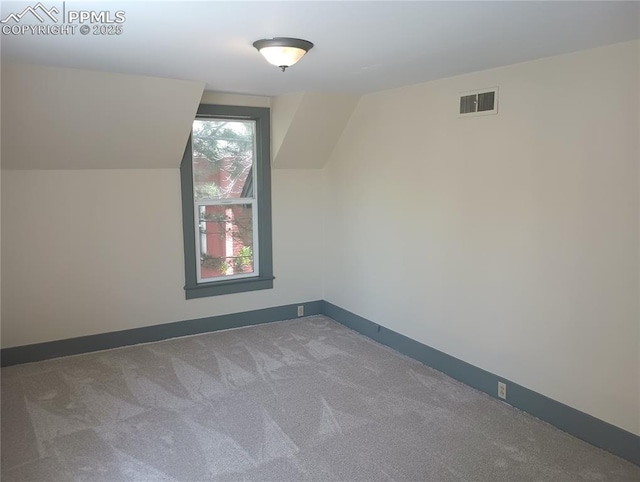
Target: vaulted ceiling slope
x,y
307,126
55,118
58,118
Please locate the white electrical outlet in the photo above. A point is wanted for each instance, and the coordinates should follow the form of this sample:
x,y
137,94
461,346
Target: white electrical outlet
x,y
502,390
301,310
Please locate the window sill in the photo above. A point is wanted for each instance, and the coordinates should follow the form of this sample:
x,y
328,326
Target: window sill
x,y
217,288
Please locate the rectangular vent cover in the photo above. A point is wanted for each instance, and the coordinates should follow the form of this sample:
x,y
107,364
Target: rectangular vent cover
x,y
480,102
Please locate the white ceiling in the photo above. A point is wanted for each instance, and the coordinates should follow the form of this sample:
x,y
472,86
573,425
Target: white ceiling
x,y
359,46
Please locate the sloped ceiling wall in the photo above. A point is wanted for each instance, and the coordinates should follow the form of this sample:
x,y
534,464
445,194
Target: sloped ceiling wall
x,y
77,119
283,110
307,126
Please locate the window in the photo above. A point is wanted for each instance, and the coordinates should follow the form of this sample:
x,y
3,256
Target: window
x,y
226,202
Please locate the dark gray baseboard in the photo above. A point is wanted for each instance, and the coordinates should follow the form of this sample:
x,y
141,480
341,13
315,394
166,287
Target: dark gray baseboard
x,y
115,339
579,424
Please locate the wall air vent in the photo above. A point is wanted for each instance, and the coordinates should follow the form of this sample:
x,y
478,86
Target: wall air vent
x,y
479,102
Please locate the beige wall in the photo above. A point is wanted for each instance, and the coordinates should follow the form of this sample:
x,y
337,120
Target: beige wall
x,y
59,118
89,251
92,251
509,241
222,98
0,203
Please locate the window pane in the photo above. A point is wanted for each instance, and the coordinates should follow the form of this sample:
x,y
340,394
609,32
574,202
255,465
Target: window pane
x,y
223,158
226,240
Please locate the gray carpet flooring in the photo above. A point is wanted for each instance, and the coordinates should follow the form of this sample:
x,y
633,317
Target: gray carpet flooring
x,y
297,400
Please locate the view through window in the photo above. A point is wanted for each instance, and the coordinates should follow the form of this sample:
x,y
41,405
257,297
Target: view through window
x,y
224,197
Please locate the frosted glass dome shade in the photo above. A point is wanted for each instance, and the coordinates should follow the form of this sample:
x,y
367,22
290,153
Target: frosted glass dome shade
x,y
283,52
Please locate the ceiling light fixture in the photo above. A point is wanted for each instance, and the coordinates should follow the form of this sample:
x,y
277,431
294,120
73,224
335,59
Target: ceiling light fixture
x,y
282,52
